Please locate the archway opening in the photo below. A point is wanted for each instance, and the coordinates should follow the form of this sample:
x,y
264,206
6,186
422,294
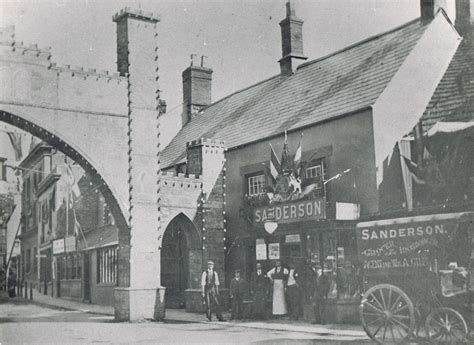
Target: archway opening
x,y
85,225
180,255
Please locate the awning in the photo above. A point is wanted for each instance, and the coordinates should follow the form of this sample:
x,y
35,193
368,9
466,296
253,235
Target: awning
x,y
462,216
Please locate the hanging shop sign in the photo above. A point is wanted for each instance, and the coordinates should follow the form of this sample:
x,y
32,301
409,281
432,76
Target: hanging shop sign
x,y
260,249
291,212
402,245
70,244
58,246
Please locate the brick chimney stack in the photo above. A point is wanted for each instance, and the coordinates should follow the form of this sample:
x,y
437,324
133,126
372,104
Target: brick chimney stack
x,y
429,8
197,85
291,42
465,18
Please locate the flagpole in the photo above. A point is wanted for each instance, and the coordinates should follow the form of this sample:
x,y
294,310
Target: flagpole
x,y
67,204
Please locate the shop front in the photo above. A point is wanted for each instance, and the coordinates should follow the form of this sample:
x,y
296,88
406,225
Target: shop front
x,y
67,268
298,233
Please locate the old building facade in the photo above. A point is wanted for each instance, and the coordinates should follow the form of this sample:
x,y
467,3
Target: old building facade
x,y
307,149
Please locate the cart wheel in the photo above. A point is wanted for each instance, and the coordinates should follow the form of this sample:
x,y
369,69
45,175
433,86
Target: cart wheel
x,y
387,314
446,325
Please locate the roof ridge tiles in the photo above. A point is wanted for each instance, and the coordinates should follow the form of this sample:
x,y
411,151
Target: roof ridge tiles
x,y
366,40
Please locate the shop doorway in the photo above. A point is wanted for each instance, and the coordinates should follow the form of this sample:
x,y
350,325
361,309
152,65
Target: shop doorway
x,y
181,243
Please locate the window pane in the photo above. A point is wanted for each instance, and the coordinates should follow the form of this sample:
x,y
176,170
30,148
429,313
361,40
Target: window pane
x,y
256,185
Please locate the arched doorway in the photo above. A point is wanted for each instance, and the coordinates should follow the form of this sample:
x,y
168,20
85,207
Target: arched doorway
x,y
180,252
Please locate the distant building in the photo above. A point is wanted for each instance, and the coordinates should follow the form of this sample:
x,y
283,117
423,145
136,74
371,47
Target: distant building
x,y
68,237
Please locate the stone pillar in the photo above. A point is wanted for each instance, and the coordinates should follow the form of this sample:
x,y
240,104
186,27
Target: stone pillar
x,y
140,296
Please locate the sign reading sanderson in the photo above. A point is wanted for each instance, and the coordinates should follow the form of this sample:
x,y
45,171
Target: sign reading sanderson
x,y
291,212
402,246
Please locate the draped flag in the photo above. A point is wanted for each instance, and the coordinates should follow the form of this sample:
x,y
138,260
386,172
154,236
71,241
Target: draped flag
x,y
15,140
298,155
285,157
414,170
76,192
275,167
77,225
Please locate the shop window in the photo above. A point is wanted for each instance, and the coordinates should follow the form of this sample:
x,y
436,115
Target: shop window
x,y
256,184
68,267
3,169
35,260
64,268
107,265
28,260
335,254
79,267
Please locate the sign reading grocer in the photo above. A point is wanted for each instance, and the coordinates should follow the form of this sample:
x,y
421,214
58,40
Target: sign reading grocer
x,y
291,211
401,246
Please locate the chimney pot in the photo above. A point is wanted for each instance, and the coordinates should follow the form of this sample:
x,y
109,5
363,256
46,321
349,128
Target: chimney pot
x,y
429,8
290,12
203,61
193,56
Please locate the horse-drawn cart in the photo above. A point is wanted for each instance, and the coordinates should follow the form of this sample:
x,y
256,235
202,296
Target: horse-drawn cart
x,y
417,271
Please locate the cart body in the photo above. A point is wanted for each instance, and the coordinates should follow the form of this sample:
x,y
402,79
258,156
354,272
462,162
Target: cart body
x,y
413,268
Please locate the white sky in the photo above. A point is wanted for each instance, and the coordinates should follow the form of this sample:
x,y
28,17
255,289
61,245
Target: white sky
x,y
240,37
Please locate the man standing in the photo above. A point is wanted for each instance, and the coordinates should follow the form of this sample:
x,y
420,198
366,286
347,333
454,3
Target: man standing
x,y
210,291
293,294
11,283
237,294
260,290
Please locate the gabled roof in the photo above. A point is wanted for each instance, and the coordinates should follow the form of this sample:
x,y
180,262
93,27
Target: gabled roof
x,y
453,99
343,82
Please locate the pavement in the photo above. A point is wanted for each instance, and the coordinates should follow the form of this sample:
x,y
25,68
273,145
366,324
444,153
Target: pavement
x,y
179,315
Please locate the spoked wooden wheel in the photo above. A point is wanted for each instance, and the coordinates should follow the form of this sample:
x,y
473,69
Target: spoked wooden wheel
x,y
447,326
387,314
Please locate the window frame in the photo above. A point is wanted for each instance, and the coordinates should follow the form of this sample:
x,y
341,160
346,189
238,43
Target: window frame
x,y
249,187
107,265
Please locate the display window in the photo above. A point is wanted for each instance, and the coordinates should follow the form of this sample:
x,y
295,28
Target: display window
x,y
334,254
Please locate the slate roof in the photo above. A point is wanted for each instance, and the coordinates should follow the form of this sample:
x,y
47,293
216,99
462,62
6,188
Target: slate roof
x,y
345,81
99,237
453,99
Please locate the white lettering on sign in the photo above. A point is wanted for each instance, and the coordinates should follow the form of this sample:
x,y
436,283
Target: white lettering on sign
x,y
291,212
376,234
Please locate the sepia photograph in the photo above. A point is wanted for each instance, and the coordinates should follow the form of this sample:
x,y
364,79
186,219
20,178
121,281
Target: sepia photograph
x,y
237,172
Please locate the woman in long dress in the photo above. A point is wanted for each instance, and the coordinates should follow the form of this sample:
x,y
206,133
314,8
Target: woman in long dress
x,y
278,276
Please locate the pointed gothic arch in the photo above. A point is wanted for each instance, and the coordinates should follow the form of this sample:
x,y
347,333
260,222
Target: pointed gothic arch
x,y
181,259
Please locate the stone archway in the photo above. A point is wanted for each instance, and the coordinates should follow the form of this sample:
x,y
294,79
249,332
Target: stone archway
x,y
181,258
110,194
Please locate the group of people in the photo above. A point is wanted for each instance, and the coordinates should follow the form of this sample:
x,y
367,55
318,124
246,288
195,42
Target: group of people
x,y
280,287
